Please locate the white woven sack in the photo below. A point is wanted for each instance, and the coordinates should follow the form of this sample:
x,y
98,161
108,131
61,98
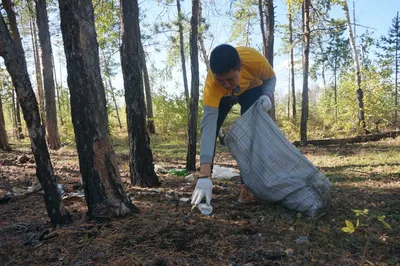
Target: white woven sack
x,y
272,168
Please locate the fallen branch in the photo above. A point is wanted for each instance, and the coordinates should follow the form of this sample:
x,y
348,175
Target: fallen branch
x,y
358,139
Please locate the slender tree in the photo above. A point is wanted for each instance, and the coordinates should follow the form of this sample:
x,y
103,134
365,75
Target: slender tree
x,y
3,133
12,17
306,52
16,65
104,191
194,96
202,30
53,139
182,51
291,47
39,83
140,155
391,45
149,101
360,93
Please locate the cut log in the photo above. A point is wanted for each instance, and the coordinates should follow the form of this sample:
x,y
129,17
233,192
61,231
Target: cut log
x,y
357,139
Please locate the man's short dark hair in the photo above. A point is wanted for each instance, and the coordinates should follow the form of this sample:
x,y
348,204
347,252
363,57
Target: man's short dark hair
x,y
224,58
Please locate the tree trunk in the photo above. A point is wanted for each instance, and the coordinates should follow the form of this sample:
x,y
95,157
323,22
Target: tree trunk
x,y
194,96
149,101
262,27
269,47
357,139
14,114
16,65
182,52
114,101
201,40
140,155
306,52
57,91
19,122
39,83
3,133
104,190
292,64
396,73
8,6
360,94
53,139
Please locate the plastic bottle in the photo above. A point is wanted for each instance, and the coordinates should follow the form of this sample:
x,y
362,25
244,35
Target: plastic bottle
x,y
205,209
178,172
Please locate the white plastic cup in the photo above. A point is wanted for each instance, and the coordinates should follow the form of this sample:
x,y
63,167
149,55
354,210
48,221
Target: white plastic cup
x,y
205,209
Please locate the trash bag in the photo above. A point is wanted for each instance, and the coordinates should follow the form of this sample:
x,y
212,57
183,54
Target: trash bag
x,y
272,168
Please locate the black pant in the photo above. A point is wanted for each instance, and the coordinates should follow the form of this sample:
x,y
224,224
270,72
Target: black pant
x,y
246,100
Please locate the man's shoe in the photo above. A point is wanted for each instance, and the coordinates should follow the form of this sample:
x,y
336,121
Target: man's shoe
x,y
245,195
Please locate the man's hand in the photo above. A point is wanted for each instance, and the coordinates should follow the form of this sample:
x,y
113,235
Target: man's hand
x,y
203,189
266,102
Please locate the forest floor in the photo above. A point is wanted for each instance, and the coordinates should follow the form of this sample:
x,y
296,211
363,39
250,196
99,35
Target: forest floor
x,y
167,232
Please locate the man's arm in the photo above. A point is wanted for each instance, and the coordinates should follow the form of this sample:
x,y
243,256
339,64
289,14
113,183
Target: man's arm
x,y
268,86
208,129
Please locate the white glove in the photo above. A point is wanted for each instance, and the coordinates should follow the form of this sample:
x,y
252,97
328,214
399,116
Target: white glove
x,y
266,102
203,189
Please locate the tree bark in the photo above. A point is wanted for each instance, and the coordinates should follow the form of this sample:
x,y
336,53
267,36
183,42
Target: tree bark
x,y
357,139
262,27
104,190
201,38
3,133
360,93
194,96
149,101
292,78
53,139
270,23
306,52
114,101
39,83
140,155
16,65
8,6
182,52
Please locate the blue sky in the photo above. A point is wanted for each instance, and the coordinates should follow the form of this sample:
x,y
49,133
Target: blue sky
x,y
374,15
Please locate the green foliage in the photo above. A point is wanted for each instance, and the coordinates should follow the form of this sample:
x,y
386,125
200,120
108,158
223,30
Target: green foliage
x,y
245,16
171,114
350,228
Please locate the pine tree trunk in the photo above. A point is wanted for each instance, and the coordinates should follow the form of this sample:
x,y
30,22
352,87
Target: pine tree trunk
x,y
306,52
182,52
19,122
292,82
270,21
360,93
140,155
396,73
14,114
8,6
16,65
201,39
114,101
262,27
39,83
57,91
149,101
53,139
104,191
194,96
3,133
